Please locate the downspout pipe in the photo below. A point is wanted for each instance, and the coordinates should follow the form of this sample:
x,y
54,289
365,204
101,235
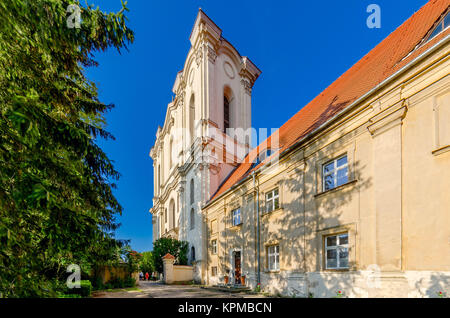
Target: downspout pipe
x,y
258,239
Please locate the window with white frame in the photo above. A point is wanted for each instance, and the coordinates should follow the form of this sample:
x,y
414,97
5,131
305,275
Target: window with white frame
x,y
272,200
335,173
273,257
336,251
214,246
236,216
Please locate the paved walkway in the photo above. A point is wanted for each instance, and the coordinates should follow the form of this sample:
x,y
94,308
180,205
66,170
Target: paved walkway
x,y
149,289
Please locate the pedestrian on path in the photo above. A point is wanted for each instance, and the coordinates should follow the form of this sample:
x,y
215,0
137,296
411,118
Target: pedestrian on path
x,y
146,276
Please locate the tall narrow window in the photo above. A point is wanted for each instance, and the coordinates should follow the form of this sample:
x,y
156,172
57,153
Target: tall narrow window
x,y
273,257
192,254
214,246
335,173
172,214
236,217
192,119
192,193
192,219
336,251
272,200
226,114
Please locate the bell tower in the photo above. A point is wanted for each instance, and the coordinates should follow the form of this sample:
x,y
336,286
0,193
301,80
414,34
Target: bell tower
x,y
207,131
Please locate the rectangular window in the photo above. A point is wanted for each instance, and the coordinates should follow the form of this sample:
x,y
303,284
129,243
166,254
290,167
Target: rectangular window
x,y
214,271
272,200
336,251
214,246
273,257
236,217
335,173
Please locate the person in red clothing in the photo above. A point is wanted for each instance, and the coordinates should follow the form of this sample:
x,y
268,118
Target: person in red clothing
x,y
146,276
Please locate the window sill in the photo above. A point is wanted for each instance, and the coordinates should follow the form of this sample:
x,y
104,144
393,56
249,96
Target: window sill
x,y
271,212
236,227
277,271
336,189
441,150
334,270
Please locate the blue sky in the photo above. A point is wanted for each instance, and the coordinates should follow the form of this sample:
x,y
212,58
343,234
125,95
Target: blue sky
x,y
300,46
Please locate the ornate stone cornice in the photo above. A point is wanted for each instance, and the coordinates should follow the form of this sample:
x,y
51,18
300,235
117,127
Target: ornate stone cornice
x,y
388,118
198,56
247,86
212,55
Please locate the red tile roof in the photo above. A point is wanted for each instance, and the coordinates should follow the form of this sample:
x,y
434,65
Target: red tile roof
x,y
381,62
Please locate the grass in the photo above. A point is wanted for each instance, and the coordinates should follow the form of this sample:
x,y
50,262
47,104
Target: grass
x,y
118,290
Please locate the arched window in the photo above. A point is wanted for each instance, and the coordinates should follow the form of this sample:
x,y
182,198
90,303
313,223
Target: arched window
x,y
192,119
192,219
226,114
192,193
192,254
172,214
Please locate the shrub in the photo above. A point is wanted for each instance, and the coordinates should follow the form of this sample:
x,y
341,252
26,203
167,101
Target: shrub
x,y
68,295
85,289
130,282
117,282
164,245
98,283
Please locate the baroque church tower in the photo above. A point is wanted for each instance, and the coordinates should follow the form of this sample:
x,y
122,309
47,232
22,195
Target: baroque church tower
x,y
207,130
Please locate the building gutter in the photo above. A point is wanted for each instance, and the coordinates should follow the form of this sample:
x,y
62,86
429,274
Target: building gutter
x,y
258,237
431,50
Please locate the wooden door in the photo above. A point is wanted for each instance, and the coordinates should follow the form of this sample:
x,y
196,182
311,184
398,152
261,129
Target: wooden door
x,y
237,267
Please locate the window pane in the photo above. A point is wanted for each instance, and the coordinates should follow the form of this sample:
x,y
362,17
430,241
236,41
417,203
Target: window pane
x,y
269,195
447,20
328,168
342,176
275,192
436,31
331,258
276,203
271,261
342,161
343,239
331,241
343,257
329,182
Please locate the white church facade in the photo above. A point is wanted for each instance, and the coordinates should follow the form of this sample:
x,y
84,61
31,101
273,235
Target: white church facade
x,y
201,140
